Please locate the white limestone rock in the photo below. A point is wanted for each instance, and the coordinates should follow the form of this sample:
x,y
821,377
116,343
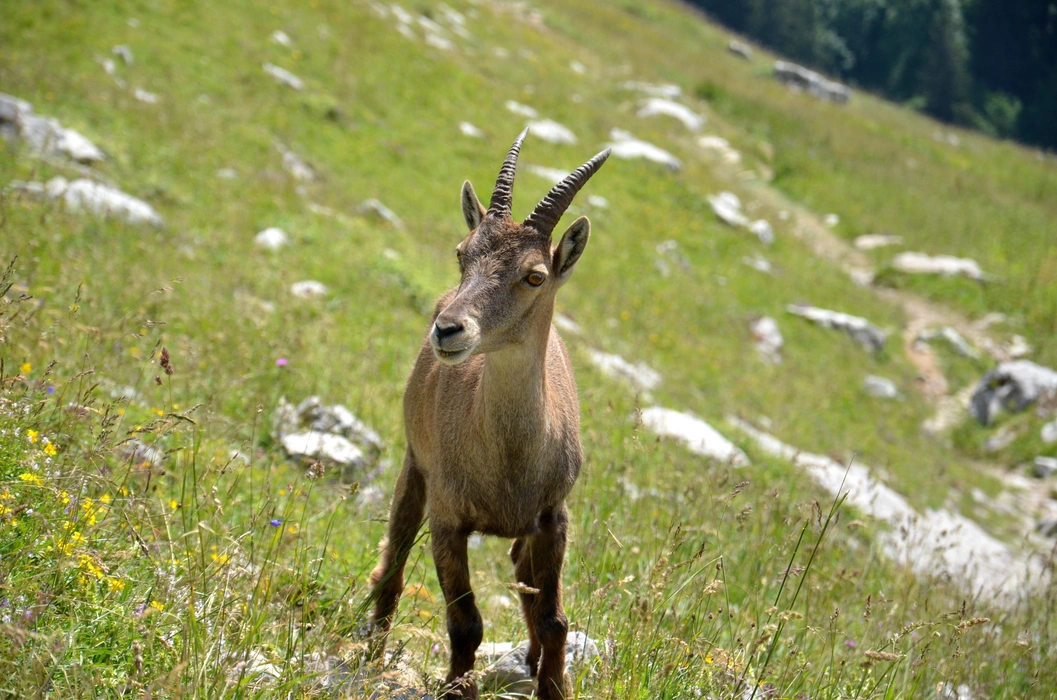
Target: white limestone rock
x,y
880,387
552,132
663,90
83,195
877,240
1048,434
271,239
721,148
767,338
624,145
656,106
763,230
862,331
282,38
1011,386
295,164
740,49
145,97
503,667
373,207
727,207
523,110
699,437
811,82
470,130
943,265
283,76
553,175
639,375
307,289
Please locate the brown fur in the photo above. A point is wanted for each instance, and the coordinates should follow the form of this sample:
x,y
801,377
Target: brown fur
x,y
493,445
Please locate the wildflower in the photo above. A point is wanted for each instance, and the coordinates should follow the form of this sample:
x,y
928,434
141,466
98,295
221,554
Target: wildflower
x,y
50,390
276,522
32,435
220,558
157,606
115,584
86,562
50,449
173,503
282,362
31,479
26,368
157,412
105,498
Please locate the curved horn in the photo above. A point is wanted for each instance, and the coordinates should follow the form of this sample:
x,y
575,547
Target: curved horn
x,y
503,195
550,209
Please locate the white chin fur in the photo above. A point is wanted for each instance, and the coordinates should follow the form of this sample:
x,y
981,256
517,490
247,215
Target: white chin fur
x,y
452,358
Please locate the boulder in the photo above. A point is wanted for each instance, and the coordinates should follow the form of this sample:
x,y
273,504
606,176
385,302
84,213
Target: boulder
x,y
43,135
96,198
811,82
1012,386
700,437
943,265
503,666
332,434
1049,433
862,331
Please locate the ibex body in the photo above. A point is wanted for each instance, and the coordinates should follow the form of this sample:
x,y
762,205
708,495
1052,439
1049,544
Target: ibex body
x,y
493,427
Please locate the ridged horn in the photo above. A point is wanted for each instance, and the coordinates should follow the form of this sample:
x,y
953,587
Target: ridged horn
x,y
550,209
503,195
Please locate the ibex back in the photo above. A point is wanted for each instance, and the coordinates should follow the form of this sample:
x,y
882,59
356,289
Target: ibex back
x,y
493,427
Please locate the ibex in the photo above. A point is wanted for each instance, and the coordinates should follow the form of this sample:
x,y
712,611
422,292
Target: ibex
x,y
493,428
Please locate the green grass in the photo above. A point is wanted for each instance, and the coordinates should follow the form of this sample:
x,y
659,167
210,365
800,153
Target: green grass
x,y
379,119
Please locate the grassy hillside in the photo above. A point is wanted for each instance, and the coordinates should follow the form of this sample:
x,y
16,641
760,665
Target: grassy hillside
x,y
183,575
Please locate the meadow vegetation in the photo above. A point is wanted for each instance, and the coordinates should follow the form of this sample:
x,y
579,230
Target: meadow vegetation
x,y
186,575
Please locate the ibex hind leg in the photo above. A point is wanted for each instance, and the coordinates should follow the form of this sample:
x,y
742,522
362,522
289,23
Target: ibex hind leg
x,y
521,555
548,615
387,579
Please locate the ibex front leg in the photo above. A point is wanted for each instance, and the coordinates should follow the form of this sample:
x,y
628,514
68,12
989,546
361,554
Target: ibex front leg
x,y
548,616
387,580
465,629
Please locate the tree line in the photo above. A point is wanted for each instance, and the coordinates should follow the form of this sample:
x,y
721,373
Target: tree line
x,y
985,64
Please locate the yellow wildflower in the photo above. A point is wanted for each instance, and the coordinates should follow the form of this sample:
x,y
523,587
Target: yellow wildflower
x,y
50,449
174,504
4,510
157,412
31,479
157,606
115,584
6,495
86,562
220,558
105,498
26,368
32,435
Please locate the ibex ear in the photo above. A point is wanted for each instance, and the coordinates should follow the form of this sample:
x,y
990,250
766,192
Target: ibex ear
x,y
571,247
472,210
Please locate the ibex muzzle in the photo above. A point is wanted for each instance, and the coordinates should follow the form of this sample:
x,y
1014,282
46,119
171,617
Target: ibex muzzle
x,y
493,428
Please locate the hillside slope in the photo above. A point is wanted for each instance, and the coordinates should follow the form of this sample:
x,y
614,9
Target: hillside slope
x,y
215,553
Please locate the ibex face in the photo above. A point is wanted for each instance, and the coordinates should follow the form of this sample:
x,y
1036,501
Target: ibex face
x,y
510,273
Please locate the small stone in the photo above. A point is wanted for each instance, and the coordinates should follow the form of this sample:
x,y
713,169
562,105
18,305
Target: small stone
x,y
598,201
1011,386
877,240
727,207
1047,527
739,49
721,147
880,387
271,239
283,76
1002,439
554,175
943,265
1044,467
470,130
831,220
624,145
282,38
523,110
578,67
655,106
639,375
227,173
758,263
308,289
763,231
1049,433
666,91
86,195
144,96
811,82
295,164
768,338
382,212
124,52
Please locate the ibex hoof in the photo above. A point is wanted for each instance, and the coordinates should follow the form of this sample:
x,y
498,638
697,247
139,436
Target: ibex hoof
x,y
462,687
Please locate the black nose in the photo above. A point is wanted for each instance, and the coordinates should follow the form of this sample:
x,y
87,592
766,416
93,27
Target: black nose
x,y
443,331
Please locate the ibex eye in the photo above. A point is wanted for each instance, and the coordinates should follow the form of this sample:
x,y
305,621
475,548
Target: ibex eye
x,y
535,278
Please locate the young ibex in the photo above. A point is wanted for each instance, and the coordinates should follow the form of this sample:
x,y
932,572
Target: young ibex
x,y
493,427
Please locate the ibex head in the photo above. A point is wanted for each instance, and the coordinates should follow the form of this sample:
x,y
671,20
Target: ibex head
x,y
510,272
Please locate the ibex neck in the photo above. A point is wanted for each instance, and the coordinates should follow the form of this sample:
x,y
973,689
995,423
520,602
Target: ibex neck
x,y
513,386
